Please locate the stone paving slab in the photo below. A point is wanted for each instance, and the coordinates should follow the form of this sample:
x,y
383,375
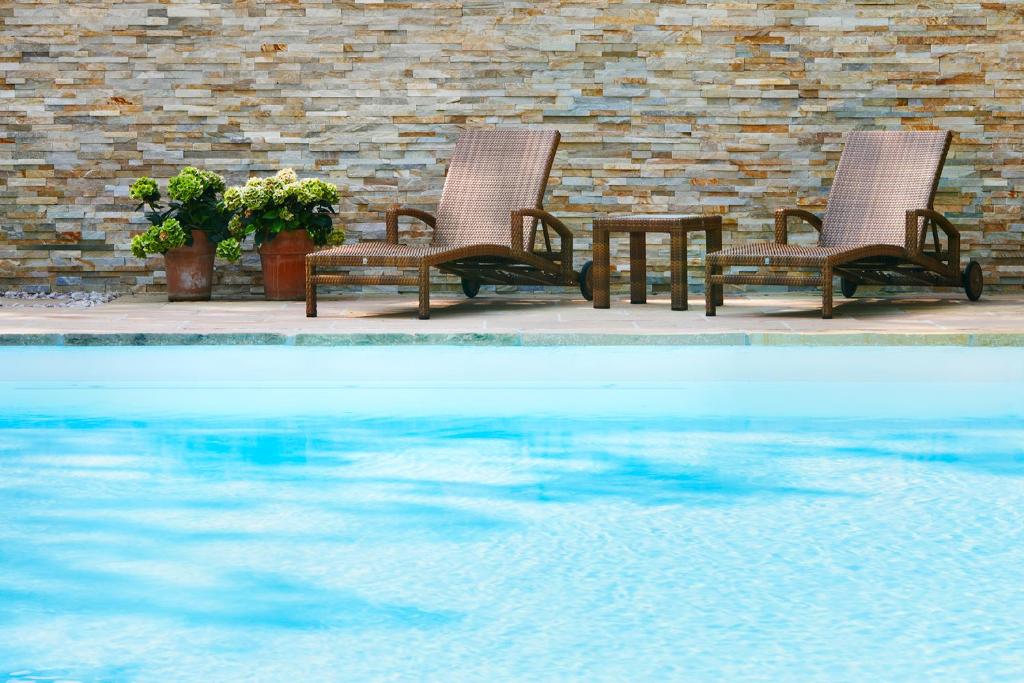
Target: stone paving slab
x,y
524,320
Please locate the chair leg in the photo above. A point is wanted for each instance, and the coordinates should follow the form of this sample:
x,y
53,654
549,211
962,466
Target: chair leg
x,y
637,268
679,275
310,289
709,291
424,287
826,292
602,295
713,244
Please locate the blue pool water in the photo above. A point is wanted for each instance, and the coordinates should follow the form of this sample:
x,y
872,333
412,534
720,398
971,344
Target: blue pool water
x,y
484,514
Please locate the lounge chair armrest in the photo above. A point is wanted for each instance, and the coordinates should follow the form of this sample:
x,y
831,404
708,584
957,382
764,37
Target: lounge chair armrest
x,y
564,233
917,234
391,219
782,222
551,221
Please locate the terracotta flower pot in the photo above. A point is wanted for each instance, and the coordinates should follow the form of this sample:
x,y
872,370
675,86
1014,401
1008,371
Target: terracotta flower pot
x,y
190,270
284,265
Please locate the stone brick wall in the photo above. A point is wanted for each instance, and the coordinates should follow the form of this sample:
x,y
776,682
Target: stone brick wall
x,y
663,106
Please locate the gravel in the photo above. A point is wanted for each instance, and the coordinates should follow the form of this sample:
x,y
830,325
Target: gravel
x,y
14,299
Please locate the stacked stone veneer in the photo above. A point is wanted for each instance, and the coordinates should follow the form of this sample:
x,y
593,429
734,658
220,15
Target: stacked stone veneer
x,y
663,106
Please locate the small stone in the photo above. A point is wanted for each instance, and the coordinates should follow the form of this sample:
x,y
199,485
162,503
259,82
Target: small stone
x,y
14,299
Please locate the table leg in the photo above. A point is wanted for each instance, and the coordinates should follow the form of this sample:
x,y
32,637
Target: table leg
x,y
637,268
602,264
678,270
714,243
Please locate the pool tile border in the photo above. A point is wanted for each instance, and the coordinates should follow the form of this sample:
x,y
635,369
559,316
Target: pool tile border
x,y
986,339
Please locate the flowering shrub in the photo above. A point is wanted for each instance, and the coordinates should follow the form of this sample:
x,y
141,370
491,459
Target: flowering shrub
x,y
159,239
230,249
145,190
195,205
192,183
267,206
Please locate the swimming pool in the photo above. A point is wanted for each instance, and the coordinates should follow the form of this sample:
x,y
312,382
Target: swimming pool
x,y
511,514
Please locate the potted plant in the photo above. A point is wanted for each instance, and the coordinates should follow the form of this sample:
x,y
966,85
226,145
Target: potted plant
x,y
288,218
188,231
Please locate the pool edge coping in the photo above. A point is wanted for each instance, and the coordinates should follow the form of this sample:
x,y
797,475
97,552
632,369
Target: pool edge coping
x,y
84,339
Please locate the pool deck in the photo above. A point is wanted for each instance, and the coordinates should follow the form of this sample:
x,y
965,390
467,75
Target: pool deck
x,y
527,320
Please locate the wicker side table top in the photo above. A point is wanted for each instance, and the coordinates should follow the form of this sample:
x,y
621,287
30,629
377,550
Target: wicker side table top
x,y
657,222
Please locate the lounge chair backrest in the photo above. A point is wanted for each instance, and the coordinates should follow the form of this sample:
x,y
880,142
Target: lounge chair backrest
x,y
880,176
491,174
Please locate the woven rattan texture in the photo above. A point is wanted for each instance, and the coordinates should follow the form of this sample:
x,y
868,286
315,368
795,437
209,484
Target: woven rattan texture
x,y
495,179
493,173
881,179
793,280
880,176
376,251
769,253
642,223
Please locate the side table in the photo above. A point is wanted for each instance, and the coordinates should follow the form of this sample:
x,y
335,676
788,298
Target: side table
x,y
677,226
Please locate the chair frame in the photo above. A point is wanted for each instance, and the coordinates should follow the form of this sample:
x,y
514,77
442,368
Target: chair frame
x,y
516,263
913,263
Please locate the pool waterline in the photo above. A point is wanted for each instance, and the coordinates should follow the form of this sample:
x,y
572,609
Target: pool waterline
x,y
888,382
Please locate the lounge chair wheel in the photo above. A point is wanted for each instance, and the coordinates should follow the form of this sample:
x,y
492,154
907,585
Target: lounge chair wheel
x,y
587,281
470,287
974,281
848,288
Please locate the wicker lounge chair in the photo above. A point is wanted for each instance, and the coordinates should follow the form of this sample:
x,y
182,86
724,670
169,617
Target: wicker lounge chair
x,y
876,225
484,229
